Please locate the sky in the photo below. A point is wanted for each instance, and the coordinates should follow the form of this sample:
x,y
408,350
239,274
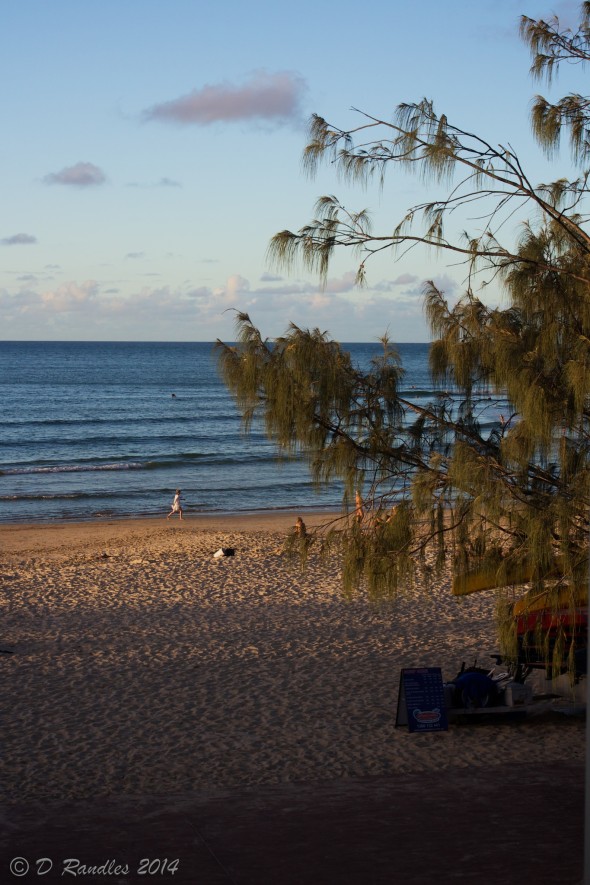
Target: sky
x,y
152,148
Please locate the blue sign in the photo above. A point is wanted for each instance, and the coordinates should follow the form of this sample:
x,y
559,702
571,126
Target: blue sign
x,y
421,700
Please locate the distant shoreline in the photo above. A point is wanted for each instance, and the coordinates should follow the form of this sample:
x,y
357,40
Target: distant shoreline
x,y
205,516
46,537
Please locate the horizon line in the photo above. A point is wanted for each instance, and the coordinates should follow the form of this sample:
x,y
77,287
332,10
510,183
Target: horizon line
x,y
164,341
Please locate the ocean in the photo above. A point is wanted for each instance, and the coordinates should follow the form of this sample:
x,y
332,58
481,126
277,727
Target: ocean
x,y
96,430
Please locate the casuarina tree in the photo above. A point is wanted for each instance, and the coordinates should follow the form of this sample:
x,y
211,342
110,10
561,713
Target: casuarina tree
x,y
434,485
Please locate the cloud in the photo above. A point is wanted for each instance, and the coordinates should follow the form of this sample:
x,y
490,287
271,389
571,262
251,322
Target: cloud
x,y
264,97
359,315
79,175
446,284
345,283
405,279
69,297
163,182
135,255
334,285
19,240
91,310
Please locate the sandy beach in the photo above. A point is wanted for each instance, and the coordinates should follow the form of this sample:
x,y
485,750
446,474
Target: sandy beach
x,y
140,664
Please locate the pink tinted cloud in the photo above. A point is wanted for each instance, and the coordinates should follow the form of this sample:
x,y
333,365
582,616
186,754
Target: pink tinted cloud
x,y
79,175
265,96
69,296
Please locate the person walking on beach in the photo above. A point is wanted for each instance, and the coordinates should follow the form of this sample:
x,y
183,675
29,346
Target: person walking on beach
x,y
176,505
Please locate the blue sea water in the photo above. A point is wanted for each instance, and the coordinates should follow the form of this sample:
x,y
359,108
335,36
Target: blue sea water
x,y
95,429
